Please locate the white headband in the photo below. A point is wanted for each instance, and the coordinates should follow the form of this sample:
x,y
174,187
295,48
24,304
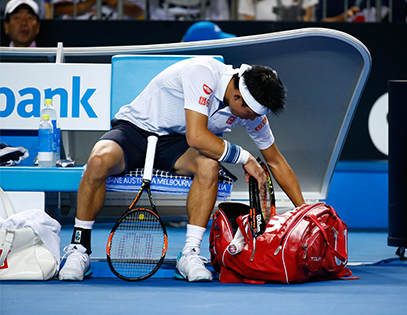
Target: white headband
x,y
247,97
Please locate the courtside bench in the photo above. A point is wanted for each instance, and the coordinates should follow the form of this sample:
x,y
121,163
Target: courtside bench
x,y
129,75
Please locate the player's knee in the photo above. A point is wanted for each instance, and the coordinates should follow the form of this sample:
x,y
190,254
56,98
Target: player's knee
x,y
98,167
208,169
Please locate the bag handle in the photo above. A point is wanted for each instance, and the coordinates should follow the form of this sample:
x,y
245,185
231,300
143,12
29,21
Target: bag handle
x,y
8,241
315,220
7,203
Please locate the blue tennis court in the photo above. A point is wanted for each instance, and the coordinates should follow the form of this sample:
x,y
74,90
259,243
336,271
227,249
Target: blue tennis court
x,y
381,288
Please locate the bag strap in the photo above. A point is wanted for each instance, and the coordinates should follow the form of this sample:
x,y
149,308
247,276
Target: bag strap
x,y
8,241
7,203
315,220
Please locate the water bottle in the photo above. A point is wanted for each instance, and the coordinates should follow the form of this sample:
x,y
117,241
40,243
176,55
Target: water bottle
x,y
45,143
48,109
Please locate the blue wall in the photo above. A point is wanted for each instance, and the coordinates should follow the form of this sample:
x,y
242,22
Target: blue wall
x,y
359,193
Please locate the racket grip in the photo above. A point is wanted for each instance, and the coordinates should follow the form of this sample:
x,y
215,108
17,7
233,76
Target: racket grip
x,y
150,155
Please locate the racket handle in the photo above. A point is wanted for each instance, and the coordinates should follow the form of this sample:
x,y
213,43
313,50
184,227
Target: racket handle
x,y
150,155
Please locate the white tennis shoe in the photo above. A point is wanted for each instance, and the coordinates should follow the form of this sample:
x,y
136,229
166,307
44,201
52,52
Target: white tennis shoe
x,y
190,266
77,265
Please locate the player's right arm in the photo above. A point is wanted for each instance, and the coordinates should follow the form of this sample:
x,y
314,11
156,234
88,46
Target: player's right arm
x,y
200,138
206,143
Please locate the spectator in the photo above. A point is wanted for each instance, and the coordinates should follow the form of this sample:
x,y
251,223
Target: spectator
x,y
22,23
358,11
215,10
87,9
42,7
269,10
204,30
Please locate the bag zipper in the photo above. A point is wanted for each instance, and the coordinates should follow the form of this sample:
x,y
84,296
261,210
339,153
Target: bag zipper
x,y
290,228
312,239
286,233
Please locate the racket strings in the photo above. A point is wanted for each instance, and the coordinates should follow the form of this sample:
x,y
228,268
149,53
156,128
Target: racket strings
x,y
137,245
265,202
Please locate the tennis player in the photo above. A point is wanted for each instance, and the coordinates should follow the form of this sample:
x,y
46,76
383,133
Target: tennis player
x,y
187,105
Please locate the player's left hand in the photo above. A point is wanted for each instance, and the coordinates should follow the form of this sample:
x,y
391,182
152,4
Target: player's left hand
x,y
253,168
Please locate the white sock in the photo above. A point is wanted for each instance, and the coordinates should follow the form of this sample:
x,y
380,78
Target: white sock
x,y
194,236
84,224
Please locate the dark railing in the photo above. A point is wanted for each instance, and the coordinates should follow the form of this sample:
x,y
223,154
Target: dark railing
x,y
201,5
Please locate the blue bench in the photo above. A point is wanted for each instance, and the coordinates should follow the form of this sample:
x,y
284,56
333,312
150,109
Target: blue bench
x,y
130,74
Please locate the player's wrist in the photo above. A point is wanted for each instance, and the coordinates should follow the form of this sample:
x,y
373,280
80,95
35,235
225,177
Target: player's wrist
x,y
234,154
244,157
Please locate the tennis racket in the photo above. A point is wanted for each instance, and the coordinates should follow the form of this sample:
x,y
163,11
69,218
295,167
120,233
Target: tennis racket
x,y
138,241
262,207
262,202
266,195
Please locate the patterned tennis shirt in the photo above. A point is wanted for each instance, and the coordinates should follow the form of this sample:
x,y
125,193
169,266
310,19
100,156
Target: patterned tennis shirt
x,y
197,84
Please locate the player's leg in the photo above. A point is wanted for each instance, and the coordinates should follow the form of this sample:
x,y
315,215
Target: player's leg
x,y
200,202
106,158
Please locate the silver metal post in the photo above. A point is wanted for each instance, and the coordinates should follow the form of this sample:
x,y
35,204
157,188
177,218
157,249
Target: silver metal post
x,y
378,10
390,11
119,9
203,10
98,9
345,8
279,9
75,8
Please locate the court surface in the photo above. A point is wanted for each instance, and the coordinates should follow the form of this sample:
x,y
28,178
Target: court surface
x,y
381,289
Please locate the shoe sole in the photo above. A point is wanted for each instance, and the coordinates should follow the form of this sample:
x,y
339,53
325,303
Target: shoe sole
x,y
178,276
69,277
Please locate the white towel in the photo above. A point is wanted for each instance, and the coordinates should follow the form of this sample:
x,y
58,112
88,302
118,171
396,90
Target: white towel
x,y
46,227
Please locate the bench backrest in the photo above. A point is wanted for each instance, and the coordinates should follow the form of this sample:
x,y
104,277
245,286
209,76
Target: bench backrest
x,y
132,73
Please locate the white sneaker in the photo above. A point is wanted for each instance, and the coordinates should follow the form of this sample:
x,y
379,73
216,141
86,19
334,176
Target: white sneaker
x,y
190,266
77,265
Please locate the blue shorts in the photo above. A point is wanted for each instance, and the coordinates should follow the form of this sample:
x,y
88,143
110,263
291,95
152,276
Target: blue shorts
x,y
133,142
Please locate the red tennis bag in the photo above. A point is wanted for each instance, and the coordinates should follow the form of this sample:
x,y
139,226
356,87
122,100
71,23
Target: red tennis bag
x,y
307,243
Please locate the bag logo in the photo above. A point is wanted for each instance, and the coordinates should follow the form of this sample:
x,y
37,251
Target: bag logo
x,y
5,264
277,222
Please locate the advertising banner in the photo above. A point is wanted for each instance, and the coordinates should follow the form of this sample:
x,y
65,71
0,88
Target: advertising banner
x,y
80,94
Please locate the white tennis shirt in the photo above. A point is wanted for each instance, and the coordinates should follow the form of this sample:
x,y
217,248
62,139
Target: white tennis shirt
x,y
197,84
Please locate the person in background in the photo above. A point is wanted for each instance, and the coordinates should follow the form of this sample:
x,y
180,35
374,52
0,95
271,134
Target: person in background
x,y
358,11
22,23
215,10
87,9
204,30
267,10
44,10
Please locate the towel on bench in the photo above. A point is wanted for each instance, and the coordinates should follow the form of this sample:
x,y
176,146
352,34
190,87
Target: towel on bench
x,y
164,182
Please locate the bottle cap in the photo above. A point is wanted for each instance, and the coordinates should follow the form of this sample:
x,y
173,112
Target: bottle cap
x,y
45,117
48,101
